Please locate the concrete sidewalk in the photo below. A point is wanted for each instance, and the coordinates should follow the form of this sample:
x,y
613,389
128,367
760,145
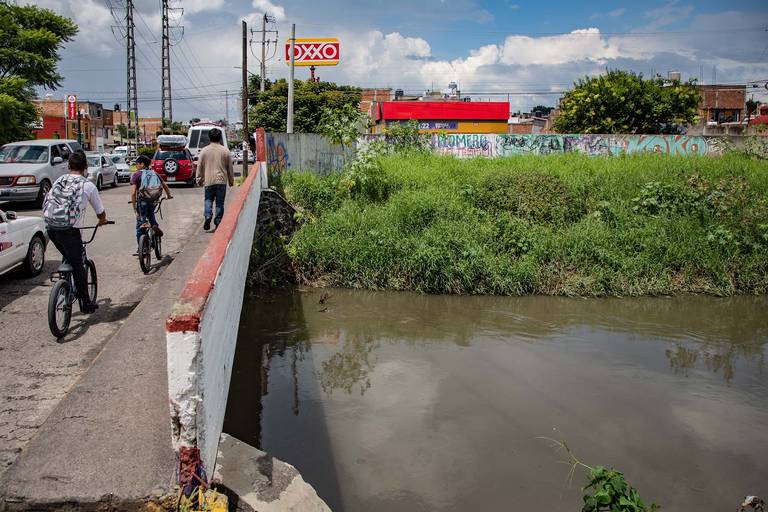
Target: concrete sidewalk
x,y
107,444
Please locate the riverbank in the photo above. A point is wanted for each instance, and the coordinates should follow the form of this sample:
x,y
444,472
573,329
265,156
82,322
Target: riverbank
x,y
554,225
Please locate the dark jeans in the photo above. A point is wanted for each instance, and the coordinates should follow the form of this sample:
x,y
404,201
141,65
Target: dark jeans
x,y
70,245
146,211
217,192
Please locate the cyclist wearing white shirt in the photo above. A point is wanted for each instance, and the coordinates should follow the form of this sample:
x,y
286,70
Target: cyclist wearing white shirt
x,y
67,239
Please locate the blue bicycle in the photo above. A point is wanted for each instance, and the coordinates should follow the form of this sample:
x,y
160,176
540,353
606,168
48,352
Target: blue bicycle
x,y
63,294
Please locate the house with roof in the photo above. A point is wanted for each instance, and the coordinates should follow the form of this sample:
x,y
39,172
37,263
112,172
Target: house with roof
x,y
443,116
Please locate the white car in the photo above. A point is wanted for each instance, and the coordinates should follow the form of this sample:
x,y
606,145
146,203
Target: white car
x,y
101,170
22,243
197,137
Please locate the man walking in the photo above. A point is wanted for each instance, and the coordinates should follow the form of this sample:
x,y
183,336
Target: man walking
x,y
214,170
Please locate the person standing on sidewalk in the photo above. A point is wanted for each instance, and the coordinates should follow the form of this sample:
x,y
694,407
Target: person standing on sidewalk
x,y
214,170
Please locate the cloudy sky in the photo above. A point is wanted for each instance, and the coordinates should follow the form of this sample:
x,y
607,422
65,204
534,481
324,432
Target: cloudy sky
x,y
529,50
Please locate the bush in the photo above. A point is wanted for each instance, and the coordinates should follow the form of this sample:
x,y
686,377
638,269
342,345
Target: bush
x,y
533,196
148,151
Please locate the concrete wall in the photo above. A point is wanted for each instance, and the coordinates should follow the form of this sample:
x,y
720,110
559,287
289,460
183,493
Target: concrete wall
x,y
303,151
201,332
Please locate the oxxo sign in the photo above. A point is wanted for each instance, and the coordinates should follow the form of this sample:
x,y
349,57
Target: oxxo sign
x,y
324,51
71,106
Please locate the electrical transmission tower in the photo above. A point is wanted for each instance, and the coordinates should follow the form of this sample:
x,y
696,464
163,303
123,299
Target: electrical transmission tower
x,y
133,101
265,44
167,107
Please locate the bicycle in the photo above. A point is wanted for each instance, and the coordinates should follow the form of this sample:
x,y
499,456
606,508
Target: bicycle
x,y
63,294
150,241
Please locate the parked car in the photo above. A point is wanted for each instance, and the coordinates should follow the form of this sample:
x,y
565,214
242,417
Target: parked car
x,y
22,243
173,161
197,137
29,168
122,166
101,170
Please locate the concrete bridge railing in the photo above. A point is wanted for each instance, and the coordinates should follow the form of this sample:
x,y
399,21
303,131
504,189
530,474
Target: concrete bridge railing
x,y
201,331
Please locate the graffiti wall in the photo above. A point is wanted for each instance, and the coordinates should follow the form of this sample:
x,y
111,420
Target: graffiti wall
x,y
603,145
302,151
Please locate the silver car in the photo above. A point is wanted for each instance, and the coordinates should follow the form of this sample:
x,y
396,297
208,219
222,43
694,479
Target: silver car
x,y
123,168
29,168
101,170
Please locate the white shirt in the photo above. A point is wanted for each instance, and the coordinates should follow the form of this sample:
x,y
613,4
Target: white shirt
x,y
90,195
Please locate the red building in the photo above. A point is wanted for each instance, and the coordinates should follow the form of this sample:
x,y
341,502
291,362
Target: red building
x,y
53,128
445,116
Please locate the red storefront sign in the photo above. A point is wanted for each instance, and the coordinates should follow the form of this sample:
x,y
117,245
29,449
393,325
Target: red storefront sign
x,y
71,106
323,51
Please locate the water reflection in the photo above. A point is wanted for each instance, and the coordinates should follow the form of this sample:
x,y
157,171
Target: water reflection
x,y
389,401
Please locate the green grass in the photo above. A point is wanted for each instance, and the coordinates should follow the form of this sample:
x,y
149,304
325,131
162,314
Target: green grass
x,y
563,225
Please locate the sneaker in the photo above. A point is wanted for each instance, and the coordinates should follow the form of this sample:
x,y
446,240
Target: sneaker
x,y
88,307
207,224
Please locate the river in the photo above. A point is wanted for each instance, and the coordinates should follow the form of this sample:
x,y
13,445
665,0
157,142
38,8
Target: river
x,y
405,402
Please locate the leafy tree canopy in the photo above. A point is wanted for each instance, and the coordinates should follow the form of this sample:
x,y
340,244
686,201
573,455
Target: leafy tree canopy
x,y
310,101
541,110
624,102
30,40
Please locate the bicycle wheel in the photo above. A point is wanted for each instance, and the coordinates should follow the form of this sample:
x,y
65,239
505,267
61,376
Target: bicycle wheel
x,y
158,246
59,309
93,283
145,253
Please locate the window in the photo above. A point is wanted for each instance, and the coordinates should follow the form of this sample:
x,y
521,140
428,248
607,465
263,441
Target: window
x,y
54,152
176,155
65,152
93,161
103,161
24,154
194,138
724,116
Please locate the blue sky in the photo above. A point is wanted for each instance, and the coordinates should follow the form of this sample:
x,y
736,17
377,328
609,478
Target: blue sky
x,y
531,50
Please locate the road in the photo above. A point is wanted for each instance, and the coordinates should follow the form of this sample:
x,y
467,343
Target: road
x,y
36,370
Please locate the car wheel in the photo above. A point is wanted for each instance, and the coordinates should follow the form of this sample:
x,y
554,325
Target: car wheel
x,y
45,187
98,183
33,263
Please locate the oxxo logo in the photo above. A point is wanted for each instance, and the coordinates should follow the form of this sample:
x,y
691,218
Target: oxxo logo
x,y
314,52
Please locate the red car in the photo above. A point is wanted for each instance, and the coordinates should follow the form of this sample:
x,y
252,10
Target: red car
x,y
173,161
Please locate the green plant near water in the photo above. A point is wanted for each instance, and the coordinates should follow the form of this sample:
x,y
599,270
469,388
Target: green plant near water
x,y
563,225
607,490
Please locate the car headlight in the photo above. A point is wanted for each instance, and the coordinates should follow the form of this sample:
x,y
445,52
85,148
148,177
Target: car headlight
x,y
26,180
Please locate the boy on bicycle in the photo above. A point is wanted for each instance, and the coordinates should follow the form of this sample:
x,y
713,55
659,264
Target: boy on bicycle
x,y
64,211
146,189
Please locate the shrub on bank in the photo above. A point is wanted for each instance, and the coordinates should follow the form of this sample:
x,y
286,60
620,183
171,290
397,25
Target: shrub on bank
x,y
567,225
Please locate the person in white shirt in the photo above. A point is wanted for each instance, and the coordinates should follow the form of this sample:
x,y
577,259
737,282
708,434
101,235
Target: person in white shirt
x,y
68,239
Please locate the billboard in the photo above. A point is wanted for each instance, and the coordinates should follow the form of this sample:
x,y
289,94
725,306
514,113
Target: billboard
x,y
319,51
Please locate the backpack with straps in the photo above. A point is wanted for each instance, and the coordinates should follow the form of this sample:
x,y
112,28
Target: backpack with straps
x,y
63,204
151,186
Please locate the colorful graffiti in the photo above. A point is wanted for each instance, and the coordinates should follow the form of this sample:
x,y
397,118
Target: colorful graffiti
x,y
277,157
464,144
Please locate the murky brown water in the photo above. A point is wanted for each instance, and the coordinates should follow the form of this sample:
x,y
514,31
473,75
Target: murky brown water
x,y
403,402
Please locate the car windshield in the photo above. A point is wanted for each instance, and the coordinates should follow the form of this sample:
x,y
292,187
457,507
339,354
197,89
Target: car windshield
x,y
175,154
117,159
23,154
94,161
199,138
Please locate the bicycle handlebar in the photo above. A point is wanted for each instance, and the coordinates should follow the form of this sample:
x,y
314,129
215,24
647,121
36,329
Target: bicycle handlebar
x,y
95,229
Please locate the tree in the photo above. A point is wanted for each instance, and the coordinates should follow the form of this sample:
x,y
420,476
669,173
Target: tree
x,y
30,40
624,102
752,105
310,99
341,125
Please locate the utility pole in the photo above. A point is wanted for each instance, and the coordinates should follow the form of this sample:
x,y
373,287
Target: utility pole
x,y
263,70
167,105
289,123
133,107
245,99
226,106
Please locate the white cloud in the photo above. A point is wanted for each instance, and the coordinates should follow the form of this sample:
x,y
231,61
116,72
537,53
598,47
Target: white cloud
x,y
514,7
616,13
668,14
196,6
266,6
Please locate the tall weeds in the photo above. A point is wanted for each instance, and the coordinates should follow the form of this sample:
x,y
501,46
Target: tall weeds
x,y
565,225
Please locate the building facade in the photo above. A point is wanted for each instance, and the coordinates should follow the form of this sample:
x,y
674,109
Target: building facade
x,y
443,116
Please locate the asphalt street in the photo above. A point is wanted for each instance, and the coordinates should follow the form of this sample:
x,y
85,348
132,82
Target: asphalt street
x,y
37,370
